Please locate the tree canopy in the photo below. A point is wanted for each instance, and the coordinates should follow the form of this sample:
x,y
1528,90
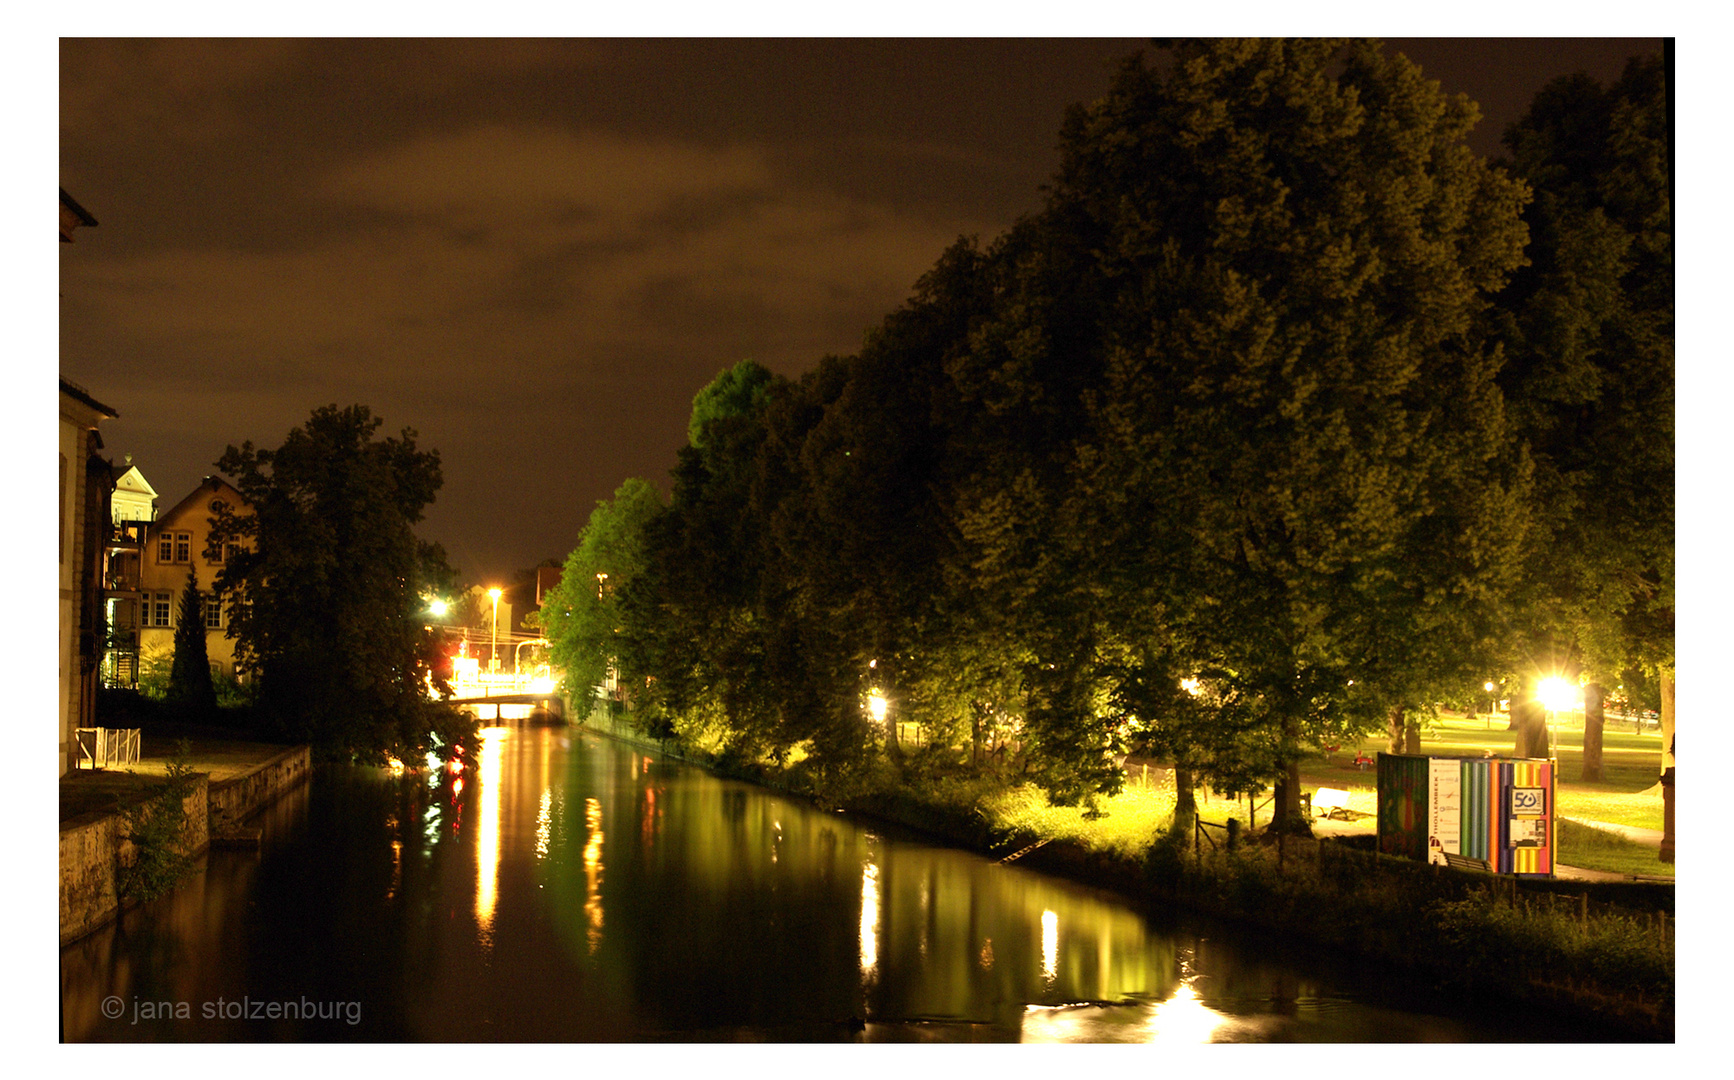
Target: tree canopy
x,y
1234,448
328,592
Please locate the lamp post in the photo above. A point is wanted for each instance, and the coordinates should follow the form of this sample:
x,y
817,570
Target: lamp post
x,y
1491,709
1556,694
494,644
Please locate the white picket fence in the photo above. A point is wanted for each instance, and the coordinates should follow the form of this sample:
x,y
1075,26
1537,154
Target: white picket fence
x,y
106,748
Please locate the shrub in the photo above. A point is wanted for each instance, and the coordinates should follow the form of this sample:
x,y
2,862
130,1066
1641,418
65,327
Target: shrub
x,y
157,829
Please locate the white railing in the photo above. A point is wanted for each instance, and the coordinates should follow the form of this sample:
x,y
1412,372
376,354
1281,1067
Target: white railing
x,y
102,748
497,683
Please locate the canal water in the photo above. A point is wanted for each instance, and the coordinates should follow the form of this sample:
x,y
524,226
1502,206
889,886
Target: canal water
x,y
568,887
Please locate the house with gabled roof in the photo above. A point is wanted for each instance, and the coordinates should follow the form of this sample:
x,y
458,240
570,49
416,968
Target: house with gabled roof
x,y
174,544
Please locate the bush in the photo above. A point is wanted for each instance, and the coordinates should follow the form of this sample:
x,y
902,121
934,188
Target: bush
x,y
157,829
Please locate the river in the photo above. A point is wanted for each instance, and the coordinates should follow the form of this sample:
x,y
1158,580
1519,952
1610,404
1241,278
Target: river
x,y
568,887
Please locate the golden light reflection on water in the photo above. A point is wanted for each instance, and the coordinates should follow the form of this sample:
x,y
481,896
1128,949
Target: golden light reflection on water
x,y
1183,1018
488,830
593,873
1050,945
544,822
869,918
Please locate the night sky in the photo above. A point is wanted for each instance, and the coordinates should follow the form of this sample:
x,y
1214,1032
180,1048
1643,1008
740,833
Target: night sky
x,y
535,252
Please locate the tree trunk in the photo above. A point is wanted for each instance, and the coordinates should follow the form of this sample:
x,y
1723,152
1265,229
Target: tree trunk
x,y
1667,780
1285,806
1529,720
1404,733
1185,805
1592,732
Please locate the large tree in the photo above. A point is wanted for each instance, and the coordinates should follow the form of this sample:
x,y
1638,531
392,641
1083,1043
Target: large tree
x,y
1590,380
329,589
1265,262
581,617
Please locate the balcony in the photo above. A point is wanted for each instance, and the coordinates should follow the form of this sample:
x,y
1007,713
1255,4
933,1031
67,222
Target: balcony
x,y
128,533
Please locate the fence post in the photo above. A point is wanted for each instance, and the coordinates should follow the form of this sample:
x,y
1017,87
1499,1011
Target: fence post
x,y
1233,832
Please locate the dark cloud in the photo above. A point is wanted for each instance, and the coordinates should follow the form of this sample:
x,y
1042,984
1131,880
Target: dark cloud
x,y
536,252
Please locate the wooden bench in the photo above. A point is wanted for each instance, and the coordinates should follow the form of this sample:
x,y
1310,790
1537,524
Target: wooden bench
x,y
1464,862
1332,801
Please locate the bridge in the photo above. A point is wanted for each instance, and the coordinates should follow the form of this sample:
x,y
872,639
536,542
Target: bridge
x,y
519,694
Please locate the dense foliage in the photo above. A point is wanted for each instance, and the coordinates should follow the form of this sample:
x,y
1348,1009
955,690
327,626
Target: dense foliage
x,y
328,592
1228,452
191,689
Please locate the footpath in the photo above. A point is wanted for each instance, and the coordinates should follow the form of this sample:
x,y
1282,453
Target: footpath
x,y
232,780
1323,827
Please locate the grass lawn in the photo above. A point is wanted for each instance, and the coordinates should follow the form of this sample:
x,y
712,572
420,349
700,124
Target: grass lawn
x,y
1625,796
1597,849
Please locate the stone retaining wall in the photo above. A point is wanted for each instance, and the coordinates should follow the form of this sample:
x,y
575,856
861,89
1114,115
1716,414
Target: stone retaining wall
x,y
234,801
94,846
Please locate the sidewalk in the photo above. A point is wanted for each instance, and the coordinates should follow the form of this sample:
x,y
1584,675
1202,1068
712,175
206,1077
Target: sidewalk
x,y
1367,826
1649,837
85,791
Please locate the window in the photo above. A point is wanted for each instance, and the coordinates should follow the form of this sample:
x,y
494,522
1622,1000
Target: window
x,y
230,550
160,606
175,547
213,613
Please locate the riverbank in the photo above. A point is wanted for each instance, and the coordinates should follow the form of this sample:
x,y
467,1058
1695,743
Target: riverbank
x,y
1602,951
232,780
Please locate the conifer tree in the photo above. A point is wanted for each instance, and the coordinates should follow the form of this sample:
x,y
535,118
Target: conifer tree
x,y
190,687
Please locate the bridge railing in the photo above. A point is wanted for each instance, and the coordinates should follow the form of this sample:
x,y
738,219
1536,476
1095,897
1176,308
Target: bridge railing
x,y
492,684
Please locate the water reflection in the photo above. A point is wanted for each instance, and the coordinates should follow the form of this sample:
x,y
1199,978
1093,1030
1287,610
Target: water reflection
x,y
593,873
730,914
869,930
488,830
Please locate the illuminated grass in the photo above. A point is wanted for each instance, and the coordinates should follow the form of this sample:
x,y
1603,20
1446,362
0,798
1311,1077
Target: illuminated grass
x,y
1129,822
1598,849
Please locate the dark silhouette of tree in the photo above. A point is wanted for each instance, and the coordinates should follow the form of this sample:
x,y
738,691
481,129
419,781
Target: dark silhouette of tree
x,y
191,689
331,588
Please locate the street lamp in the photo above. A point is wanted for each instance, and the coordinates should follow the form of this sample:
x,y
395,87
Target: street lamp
x,y
494,644
1556,694
1492,706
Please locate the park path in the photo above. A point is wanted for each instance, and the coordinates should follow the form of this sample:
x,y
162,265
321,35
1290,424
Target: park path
x,y
1367,826
1648,837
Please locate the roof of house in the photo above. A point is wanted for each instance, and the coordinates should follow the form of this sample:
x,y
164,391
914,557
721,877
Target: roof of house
x,y
208,486
79,393
128,478
79,216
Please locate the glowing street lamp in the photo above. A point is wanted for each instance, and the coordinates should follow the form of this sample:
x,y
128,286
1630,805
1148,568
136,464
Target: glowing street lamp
x,y
1492,706
876,704
1555,694
494,644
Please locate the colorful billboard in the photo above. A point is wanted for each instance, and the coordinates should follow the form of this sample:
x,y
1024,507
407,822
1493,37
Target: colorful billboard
x,y
1495,811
